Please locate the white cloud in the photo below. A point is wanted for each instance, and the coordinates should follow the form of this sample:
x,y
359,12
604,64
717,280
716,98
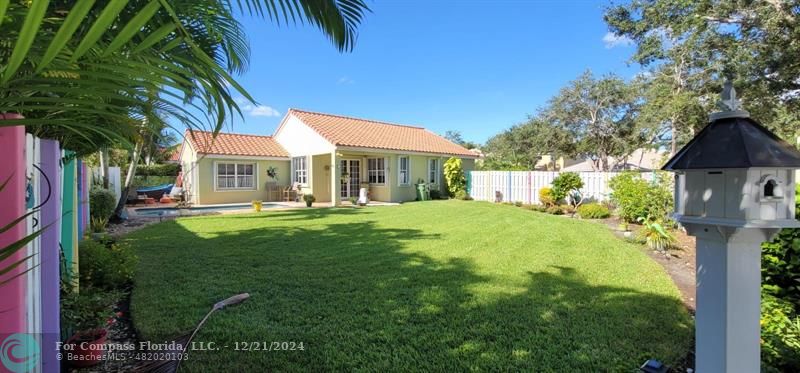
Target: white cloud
x,y
256,111
345,80
612,40
264,111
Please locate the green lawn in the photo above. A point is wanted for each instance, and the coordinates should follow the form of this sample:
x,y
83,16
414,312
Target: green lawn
x,y
434,286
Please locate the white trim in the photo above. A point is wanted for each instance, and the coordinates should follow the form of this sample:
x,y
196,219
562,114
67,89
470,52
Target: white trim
x,y
405,152
236,164
245,157
308,170
400,168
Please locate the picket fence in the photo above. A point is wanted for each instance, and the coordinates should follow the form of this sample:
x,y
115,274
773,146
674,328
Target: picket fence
x,y
523,186
50,188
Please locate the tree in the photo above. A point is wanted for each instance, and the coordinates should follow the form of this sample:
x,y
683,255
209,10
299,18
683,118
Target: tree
x,y
522,146
78,71
600,116
697,44
454,174
455,137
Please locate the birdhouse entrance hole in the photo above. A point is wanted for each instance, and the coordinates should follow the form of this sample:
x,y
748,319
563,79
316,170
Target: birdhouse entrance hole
x,y
769,188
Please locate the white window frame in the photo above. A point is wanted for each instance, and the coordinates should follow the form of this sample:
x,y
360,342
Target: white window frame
x,y
400,170
300,173
236,165
377,172
430,170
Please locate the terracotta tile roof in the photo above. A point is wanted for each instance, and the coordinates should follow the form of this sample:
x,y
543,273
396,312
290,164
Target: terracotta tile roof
x,y
364,133
175,156
235,144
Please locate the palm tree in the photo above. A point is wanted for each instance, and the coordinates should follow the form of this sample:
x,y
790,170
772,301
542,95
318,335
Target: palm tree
x,y
89,73
84,67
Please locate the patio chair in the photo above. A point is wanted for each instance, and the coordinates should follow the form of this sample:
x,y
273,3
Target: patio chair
x,y
289,193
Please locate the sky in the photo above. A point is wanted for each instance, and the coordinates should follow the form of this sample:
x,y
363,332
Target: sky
x,y
476,67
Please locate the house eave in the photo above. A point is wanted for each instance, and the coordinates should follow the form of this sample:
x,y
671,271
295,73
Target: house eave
x,y
394,151
248,157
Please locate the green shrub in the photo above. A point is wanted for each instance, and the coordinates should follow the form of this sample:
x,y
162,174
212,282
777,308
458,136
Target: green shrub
x,y
638,198
780,263
567,184
538,208
555,210
518,203
106,265
780,335
593,211
546,196
165,169
102,203
454,175
462,195
89,309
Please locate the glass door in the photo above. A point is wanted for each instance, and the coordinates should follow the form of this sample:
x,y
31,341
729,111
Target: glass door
x,y
351,177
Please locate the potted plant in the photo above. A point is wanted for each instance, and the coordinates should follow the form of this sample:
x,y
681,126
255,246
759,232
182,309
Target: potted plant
x,y
354,201
88,313
309,198
257,204
345,176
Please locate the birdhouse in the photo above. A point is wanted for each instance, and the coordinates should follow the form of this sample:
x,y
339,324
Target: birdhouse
x,y
735,173
734,189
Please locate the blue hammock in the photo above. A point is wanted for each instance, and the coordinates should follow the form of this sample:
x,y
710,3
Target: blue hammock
x,y
155,190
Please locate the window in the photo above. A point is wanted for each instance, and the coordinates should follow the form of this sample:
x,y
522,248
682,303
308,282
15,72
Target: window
x,y
300,170
433,171
376,170
236,176
403,176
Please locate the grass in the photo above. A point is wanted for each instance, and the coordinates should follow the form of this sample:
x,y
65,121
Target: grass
x,y
433,286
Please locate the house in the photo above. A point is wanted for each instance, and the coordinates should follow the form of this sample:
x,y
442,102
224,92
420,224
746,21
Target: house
x,y
639,160
329,156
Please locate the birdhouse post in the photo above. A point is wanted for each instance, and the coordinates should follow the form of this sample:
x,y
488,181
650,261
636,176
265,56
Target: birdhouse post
x,y
734,189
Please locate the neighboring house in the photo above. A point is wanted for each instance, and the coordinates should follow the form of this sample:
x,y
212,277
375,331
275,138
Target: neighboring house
x,y
329,156
639,160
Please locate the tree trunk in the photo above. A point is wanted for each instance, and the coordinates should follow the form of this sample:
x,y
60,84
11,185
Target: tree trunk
x,y
674,140
123,198
103,155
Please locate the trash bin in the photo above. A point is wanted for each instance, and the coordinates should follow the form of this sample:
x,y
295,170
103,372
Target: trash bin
x,y
422,192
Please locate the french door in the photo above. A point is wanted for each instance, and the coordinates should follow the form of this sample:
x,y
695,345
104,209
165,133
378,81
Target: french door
x,y
351,183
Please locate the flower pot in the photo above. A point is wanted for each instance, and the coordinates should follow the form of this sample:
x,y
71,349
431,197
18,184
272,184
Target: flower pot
x,y
257,205
86,348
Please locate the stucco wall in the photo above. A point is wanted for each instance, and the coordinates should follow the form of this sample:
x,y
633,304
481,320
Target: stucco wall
x,y
205,186
299,139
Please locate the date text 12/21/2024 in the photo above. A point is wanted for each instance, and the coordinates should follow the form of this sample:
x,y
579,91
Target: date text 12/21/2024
x,y
250,346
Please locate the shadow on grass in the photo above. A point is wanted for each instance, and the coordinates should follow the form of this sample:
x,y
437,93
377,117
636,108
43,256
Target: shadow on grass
x,y
358,298
304,214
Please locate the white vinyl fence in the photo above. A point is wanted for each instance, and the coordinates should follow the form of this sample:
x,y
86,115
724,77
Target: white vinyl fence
x,y
523,186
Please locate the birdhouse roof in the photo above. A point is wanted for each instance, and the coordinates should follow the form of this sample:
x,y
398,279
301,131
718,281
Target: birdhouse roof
x,y
734,142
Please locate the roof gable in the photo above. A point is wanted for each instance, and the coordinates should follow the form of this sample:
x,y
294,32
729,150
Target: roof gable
x,y
204,142
363,133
